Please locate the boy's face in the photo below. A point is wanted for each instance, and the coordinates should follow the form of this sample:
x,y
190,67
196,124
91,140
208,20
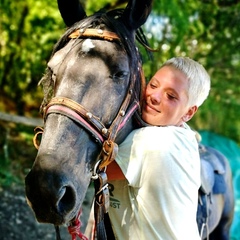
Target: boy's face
x,y
166,98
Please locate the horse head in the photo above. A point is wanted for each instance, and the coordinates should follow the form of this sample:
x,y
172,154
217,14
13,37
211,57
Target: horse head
x,y
92,88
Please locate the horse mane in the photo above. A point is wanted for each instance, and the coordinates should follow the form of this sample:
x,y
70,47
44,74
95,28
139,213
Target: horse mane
x,y
101,19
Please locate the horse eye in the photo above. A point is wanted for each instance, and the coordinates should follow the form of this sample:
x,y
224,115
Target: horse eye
x,y
119,76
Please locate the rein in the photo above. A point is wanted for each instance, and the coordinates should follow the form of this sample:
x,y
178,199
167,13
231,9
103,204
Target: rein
x,y
103,135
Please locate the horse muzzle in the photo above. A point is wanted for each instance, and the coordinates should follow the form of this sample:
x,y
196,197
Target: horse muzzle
x,y
52,197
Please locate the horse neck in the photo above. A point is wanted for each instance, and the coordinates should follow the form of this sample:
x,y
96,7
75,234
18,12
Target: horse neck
x,y
129,127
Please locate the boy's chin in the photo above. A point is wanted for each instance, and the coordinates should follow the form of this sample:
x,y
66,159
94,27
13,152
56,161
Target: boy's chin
x,y
149,119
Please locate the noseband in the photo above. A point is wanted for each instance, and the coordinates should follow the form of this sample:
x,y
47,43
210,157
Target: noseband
x,y
103,135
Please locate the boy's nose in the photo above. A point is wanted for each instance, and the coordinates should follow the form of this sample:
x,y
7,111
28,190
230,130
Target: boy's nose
x,y
155,98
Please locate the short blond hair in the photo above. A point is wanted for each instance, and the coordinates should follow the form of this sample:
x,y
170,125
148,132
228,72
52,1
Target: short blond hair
x,y
198,78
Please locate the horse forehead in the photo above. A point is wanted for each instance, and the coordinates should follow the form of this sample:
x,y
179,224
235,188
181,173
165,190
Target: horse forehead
x,y
60,55
104,48
87,45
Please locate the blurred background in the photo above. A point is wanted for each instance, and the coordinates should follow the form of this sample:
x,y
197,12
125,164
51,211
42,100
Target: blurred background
x,y
207,31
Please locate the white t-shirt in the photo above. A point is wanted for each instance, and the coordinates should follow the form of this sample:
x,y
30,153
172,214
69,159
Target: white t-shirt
x,y
158,200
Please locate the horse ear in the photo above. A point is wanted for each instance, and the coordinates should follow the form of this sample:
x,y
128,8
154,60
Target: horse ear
x,y
136,13
71,11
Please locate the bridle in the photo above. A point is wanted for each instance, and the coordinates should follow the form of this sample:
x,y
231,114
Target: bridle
x,y
77,112
103,135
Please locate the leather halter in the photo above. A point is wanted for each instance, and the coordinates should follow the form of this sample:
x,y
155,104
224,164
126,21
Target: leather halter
x,y
95,33
106,137
80,114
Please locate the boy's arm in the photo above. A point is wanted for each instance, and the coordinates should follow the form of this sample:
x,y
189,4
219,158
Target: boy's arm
x,y
114,172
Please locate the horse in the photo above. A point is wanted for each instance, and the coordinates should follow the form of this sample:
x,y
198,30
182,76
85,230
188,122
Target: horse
x,y
92,93
92,86
216,195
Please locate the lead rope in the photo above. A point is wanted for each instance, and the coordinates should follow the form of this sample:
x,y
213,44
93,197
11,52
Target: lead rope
x,y
74,228
57,230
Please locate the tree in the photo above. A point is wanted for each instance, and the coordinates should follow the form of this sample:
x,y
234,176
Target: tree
x,y
29,29
207,31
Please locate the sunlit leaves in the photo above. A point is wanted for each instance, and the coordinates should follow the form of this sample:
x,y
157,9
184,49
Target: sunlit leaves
x,y
207,31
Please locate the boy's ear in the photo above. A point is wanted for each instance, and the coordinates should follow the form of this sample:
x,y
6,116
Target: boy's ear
x,y
190,113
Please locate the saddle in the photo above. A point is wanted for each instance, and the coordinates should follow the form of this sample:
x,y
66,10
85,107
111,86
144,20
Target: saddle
x,y
212,171
212,182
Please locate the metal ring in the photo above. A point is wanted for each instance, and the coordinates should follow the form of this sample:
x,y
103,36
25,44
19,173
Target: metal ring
x,y
94,174
38,131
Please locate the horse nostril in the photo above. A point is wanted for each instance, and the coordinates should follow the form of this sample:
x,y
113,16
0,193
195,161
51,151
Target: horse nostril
x,y
67,200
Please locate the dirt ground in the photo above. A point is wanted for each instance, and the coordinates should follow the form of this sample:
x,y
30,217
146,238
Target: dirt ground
x,y
17,220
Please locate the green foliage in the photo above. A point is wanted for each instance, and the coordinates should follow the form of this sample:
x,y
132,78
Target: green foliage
x,y
93,6
29,29
207,31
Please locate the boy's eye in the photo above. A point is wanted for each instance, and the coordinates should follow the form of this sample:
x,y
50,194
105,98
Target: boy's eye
x,y
152,85
170,96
